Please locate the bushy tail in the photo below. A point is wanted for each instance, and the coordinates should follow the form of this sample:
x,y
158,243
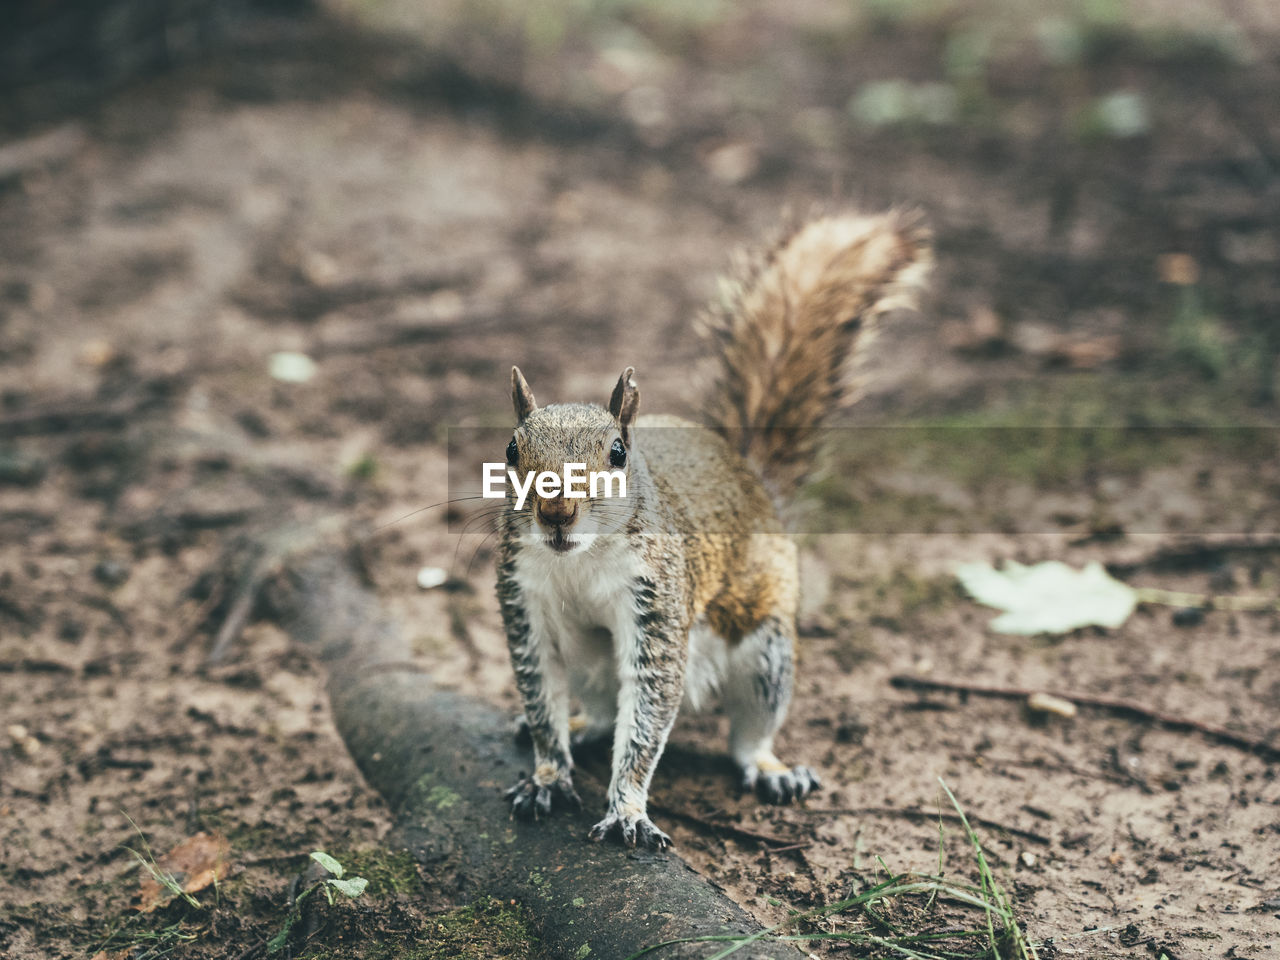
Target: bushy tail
x,y
788,326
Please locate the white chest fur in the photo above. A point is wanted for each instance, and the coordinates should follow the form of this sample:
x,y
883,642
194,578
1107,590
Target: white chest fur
x,y
575,598
581,605
587,589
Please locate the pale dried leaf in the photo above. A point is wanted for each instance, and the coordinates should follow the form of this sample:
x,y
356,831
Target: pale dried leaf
x,y
1049,597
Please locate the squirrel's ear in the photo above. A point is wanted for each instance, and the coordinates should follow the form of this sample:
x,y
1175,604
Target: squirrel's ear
x,y
521,395
625,402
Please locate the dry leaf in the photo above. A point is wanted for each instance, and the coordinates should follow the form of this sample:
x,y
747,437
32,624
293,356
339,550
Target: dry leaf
x,y
195,863
1049,597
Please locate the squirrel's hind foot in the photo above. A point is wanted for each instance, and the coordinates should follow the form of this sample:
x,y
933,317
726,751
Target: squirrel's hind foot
x,y
531,800
781,785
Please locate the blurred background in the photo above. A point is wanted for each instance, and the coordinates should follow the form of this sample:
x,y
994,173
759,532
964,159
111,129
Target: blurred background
x,y
257,257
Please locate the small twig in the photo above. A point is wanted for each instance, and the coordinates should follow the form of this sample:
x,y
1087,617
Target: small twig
x,y
197,619
236,618
1207,601
35,665
802,845
260,560
251,950
776,844
932,816
1199,553
1115,705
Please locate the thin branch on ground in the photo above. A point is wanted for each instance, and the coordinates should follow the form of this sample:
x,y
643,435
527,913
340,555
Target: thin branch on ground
x,y
1115,705
252,950
1184,554
777,844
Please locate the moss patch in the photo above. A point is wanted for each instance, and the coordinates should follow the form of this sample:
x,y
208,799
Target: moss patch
x,y
388,872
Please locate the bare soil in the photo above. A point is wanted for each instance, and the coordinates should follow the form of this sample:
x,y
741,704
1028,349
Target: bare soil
x,y
415,217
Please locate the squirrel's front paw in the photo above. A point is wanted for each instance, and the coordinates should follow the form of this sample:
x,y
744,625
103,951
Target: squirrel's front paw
x,y
531,799
633,830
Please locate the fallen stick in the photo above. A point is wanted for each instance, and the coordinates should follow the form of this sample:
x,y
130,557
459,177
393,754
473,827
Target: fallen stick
x,y
443,759
776,844
1186,554
1116,705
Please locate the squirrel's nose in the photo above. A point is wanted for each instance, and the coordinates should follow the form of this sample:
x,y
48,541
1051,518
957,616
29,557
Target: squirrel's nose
x,y
559,512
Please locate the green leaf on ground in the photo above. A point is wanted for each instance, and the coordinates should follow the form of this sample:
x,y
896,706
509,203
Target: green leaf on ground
x,y
352,888
326,861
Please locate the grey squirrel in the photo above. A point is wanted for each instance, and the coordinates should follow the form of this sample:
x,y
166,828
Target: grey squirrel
x,y
685,590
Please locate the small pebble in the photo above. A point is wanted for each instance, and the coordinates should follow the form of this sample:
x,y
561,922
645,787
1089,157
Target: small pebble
x,y
110,573
1047,703
290,367
19,469
432,577
23,742
96,353
70,630
1188,616
1028,858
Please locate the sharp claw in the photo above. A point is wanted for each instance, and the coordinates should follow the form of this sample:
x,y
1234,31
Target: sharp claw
x,y
651,836
518,787
637,832
531,799
782,788
806,780
601,830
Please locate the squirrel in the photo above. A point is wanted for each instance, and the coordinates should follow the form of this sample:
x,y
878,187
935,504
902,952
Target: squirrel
x,y
685,590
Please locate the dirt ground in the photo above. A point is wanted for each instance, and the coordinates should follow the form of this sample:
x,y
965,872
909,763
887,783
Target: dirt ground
x,y
417,203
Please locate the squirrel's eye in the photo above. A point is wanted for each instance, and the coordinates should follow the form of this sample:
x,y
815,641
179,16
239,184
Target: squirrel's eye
x,y
513,452
618,454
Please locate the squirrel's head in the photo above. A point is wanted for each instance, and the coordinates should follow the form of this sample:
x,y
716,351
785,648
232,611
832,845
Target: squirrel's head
x,y
547,438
